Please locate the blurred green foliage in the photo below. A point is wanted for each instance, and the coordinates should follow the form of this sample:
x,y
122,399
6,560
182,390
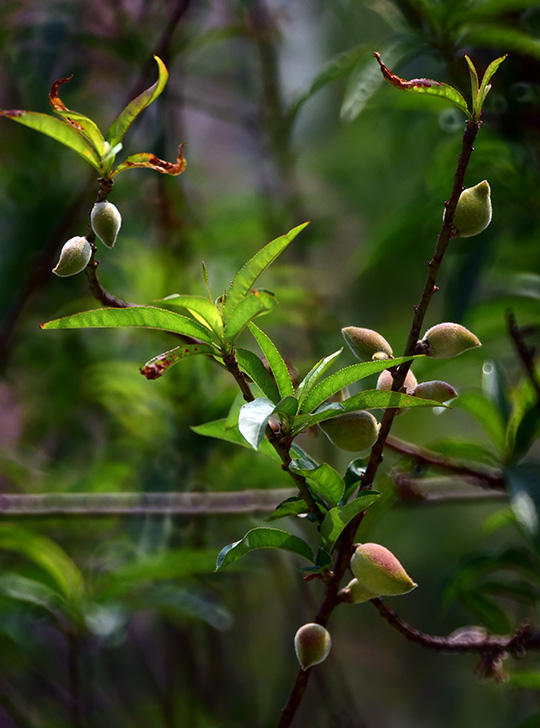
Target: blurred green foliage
x,y
286,119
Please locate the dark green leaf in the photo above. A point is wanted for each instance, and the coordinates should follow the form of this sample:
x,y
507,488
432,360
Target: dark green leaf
x,y
527,431
485,413
324,480
220,430
259,538
352,477
127,116
275,361
255,369
339,517
524,488
248,274
147,317
487,610
254,304
58,129
293,506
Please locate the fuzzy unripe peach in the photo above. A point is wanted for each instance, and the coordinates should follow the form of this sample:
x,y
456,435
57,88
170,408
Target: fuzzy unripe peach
x,y
106,220
353,431
386,380
435,390
366,344
473,211
74,257
446,340
378,571
312,644
356,593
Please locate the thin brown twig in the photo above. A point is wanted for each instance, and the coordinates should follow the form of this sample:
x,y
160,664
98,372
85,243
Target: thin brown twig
x,y
524,352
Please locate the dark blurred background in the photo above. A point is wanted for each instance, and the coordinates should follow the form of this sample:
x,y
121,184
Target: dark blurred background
x,y
121,621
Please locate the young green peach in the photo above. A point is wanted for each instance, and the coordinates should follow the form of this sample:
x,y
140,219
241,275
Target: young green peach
x,y
473,211
74,257
367,345
312,644
106,220
356,593
353,431
435,390
446,340
378,570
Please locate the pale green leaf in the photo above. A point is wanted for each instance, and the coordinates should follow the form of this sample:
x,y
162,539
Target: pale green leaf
x,y
248,274
259,538
275,361
148,317
253,419
58,129
200,305
221,431
127,116
254,304
486,413
488,75
255,369
313,376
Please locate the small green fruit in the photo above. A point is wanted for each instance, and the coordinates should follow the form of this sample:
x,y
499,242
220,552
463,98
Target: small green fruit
x,y
386,380
356,593
312,644
106,220
473,211
367,345
379,572
435,390
74,257
446,340
353,431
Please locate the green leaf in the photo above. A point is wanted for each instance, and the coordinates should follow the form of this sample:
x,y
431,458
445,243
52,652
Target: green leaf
x,y
339,517
83,124
220,430
293,506
425,86
248,274
31,591
275,361
58,129
253,419
354,373
255,369
148,317
487,610
323,479
526,680
200,308
486,413
353,475
476,106
254,304
259,538
524,489
127,116
158,365
313,376
488,75
528,430
48,555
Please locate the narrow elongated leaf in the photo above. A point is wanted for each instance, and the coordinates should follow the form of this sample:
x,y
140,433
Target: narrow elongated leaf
x,y
255,304
200,305
158,365
425,86
324,480
150,161
31,591
255,369
220,430
127,116
260,538
275,361
354,373
488,75
253,419
248,274
476,106
148,317
313,376
337,518
524,486
487,610
58,129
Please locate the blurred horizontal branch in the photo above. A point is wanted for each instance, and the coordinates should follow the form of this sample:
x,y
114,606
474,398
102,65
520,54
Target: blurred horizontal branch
x,y
142,504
